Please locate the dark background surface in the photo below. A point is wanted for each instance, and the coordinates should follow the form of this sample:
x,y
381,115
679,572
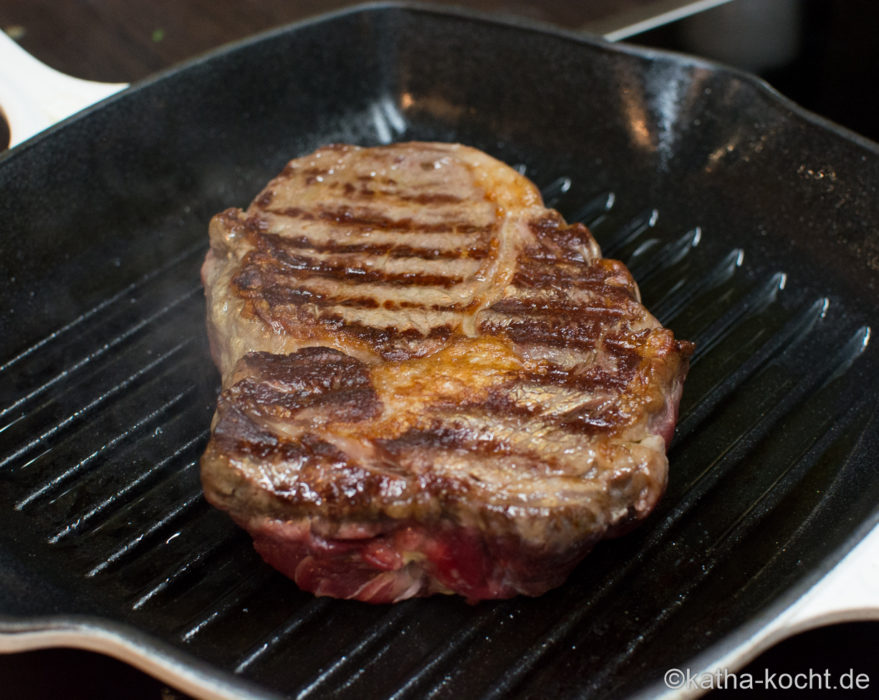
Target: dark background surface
x,y
821,53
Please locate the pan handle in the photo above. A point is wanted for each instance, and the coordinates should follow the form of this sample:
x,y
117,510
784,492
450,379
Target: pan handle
x,y
34,96
849,592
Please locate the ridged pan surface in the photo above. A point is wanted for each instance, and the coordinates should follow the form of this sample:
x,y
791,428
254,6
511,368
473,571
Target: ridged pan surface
x,y
751,227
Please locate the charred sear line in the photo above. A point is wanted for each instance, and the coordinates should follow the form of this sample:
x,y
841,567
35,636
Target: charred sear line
x,y
586,378
425,444
241,434
313,369
423,198
555,307
618,348
344,216
427,197
392,343
248,283
596,279
349,405
392,250
561,242
278,293
234,424
272,259
608,420
313,175
254,227
574,335
445,438
498,402
395,304
238,434
281,385
390,333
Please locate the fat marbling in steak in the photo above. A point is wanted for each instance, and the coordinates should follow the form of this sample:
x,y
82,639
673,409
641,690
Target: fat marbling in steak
x,y
431,382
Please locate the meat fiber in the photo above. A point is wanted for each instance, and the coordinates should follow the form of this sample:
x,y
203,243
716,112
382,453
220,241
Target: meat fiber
x,y
431,382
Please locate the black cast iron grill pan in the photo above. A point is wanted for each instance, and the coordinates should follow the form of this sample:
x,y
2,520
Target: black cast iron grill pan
x,y
750,225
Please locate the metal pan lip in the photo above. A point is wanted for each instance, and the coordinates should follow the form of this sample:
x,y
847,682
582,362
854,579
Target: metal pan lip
x,y
738,645
132,646
145,651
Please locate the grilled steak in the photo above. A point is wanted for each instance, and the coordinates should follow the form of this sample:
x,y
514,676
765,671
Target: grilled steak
x,y
431,382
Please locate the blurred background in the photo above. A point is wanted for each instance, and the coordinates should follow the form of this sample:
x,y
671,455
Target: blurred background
x,y
820,53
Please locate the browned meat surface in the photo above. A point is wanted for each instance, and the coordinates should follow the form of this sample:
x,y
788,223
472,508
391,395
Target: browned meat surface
x,y
431,383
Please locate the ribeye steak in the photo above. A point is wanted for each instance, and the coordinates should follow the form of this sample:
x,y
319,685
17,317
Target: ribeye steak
x,y
431,382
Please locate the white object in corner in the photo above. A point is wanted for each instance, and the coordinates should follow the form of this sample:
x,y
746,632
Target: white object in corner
x,y
34,96
849,592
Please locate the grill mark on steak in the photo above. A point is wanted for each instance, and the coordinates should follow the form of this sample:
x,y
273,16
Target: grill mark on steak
x,y
309,378
553,307
420,198
593,422
589,378
559,278
274,258
394,250
581,336
561,242
345,217
236,434
393,343
366,193
431,382
279,295
445,438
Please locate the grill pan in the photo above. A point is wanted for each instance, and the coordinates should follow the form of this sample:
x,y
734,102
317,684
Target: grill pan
x,y
750,225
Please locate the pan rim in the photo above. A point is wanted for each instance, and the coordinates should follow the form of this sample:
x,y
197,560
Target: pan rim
x,y
470,15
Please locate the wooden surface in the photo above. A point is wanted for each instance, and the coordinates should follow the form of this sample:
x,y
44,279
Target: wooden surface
x,y
125,40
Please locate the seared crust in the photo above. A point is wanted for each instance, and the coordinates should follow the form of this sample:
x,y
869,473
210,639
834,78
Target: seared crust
x,y
407,336
383,253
